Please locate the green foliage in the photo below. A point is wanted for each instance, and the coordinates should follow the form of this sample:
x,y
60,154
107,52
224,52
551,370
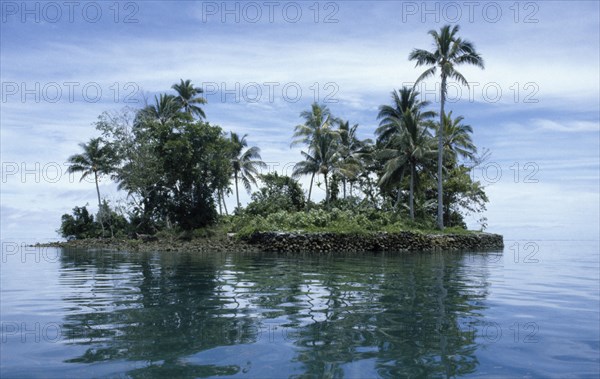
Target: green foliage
x,y
245,163
80,224
357,220
462,195
278,193
171,166
115,224
175,167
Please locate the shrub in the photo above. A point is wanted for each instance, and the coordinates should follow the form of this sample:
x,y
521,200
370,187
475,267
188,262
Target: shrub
x,y
81,224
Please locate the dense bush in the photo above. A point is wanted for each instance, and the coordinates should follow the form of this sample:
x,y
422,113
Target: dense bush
x,y
81,224
278,193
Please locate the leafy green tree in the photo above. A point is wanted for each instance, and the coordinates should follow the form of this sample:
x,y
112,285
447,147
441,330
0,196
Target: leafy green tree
x,y
80,225
278,193
245,163
462,194
195,163
171,169
187,97
449,52
135,139
116,222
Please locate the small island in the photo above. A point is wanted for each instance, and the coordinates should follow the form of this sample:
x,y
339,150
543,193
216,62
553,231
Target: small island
x,y
408,189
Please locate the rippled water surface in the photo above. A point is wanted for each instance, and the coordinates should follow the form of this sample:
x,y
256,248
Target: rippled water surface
x,y
530,311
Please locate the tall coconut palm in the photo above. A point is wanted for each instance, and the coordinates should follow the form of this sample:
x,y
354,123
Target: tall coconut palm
x,y
97,159
449,51
187,98
245,164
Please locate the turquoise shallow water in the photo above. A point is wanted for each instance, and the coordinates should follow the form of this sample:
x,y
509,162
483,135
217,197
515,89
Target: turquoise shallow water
x,y
530,311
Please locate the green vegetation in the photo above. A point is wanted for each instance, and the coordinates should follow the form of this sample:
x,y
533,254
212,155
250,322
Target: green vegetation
x,y
177,168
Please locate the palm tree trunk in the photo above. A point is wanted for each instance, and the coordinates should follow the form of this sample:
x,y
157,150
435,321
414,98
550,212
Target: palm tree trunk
x,y
399,190
99,203
237,193
311,185
440,208
326,190
411,197
224,204
219,202
397,198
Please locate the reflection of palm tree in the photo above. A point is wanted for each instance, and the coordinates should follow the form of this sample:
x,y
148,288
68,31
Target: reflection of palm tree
x,y
163,311
386,312
450,52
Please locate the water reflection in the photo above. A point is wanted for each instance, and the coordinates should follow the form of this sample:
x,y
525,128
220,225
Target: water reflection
x,y
192,315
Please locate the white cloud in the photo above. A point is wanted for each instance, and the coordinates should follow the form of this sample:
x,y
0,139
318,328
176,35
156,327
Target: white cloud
x,y
576,126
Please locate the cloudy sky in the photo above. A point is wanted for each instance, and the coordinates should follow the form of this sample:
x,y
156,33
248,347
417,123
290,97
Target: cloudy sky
x,y
535,106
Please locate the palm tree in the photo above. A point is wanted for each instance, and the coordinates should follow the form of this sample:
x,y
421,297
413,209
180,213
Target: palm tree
x,y
402,100
457,138
409,148
404,116
449,51
96,159
245,163
350,148
165,108
328,154
186,97
318,123
309,166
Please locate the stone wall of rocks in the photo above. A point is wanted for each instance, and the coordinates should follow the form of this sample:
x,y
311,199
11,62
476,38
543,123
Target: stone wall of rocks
x,y
405,241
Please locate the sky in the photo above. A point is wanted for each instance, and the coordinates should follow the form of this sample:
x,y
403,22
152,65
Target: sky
x,y
535,106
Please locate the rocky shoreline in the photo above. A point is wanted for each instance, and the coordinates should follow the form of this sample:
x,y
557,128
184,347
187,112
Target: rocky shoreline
x,y
400,242
302,242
